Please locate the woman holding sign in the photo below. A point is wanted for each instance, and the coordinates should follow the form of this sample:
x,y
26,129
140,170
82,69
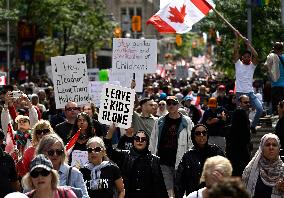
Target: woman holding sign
x,y
52,146
141,171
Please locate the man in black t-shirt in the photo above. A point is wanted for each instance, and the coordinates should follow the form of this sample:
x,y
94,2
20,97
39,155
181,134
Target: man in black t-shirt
x,y
170,139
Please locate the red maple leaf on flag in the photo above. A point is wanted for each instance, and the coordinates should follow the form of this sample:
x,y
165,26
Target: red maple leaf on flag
x,y
177,16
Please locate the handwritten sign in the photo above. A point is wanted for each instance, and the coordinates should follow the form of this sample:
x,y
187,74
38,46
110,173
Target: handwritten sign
x,y
125,79
134,55
70,79
116,106
96,88
79,158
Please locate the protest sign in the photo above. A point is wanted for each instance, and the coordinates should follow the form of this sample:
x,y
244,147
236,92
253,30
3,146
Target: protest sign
x,y
103,75
96,88
93,74
79,158
125,79
116,106
70,79
134,55
181,72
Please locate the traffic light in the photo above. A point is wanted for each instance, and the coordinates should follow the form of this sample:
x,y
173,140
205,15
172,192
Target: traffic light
x,y
136,24
178,40
117,32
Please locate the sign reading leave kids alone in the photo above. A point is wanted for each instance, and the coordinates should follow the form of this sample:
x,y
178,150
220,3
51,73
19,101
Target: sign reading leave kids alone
x,y
116,106
134,55
70,79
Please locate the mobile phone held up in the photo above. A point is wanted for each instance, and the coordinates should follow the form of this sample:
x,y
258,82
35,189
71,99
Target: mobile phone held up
x,y
16,94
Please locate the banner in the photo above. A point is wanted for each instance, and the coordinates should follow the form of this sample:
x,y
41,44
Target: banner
x,y
116,106
134,55
125,80
96,88
70,79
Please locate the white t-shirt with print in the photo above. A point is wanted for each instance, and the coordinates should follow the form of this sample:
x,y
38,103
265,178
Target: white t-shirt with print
x,y
244,77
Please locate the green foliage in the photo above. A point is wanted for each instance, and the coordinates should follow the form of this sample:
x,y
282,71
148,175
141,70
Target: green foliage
x,y
67,26
266,29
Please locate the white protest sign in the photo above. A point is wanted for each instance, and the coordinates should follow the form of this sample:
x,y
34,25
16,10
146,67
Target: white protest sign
x,y
134,55
70,79
181,72
125,79
116,106
96,88
79,158
93,74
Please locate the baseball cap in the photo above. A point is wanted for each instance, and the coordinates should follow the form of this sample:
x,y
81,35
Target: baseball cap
x,y
40,161
212,102
172,98
186,98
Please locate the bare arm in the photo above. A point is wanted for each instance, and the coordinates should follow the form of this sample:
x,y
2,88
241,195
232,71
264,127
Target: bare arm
x,y
236,54
120,187
253,51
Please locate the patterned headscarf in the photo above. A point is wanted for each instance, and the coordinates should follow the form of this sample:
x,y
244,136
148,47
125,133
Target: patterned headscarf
x,y
270,173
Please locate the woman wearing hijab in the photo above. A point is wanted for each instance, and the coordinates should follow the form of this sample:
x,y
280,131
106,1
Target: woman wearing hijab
x,y
263,176
190,168
140,169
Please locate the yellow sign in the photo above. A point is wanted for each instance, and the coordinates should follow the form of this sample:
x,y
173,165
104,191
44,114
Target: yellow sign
x,y
178,40
136,23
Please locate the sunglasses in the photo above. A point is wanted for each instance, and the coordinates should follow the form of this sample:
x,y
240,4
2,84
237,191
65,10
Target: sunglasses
x,y
198,133
57,151
94,150
42,131
140,139
72,109
23,120
162,104
172,102
43,172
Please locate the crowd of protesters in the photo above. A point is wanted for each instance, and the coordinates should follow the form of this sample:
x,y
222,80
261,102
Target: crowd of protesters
x,y
187,138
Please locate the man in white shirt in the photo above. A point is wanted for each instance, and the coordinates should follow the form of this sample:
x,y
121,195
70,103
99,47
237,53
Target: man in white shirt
x,y
244,67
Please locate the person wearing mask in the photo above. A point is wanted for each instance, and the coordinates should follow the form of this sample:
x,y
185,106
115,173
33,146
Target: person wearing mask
x,y
64,129
170,139
263,176
141,170
245,67
43,181
52,146
187,177
103,178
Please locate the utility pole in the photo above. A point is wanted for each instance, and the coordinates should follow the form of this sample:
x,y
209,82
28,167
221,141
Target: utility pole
x,y
8,45
249,19
282,11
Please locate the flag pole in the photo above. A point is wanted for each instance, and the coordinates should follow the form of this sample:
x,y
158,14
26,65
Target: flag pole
x,y
228,23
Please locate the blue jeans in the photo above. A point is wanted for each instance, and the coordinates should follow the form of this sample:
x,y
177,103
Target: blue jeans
x,y
256,104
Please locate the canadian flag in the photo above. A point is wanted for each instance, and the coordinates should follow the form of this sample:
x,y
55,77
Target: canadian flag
x,y
69,146
2,80
10,141
180,15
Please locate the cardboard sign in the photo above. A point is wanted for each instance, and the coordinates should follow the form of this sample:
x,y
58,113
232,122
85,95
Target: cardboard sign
x,y
96,88
70,79
116,106
125,79
134,55
79,158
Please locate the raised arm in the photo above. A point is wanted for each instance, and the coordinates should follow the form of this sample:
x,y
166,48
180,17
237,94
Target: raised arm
x,y
253,51
236,54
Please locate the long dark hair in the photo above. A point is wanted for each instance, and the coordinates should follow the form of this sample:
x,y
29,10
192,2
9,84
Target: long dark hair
x,y
90,128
